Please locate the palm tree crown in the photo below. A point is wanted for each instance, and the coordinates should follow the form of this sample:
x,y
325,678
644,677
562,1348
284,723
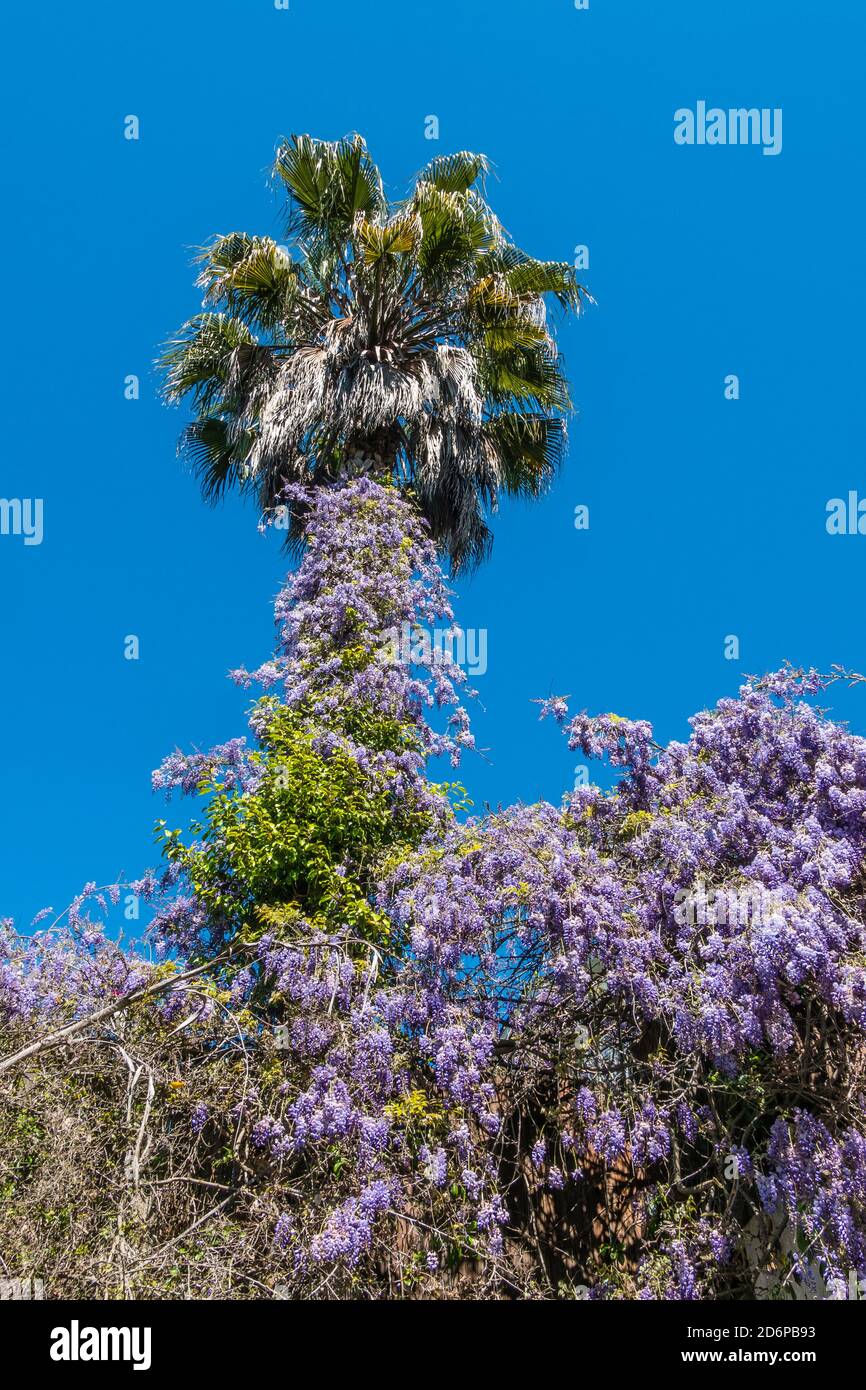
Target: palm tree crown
x,y
407,339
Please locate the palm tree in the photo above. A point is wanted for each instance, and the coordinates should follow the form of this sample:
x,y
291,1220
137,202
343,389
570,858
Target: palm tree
x,y
407,340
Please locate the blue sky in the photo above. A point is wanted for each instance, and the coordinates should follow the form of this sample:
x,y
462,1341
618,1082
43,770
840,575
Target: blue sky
x,y
707,516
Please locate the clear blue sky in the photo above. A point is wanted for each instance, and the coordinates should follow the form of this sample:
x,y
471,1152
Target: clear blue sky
x,y
707,516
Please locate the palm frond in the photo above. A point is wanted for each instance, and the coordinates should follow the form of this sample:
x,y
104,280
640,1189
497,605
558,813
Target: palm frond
x,y
399,236
530,377
218,451
454,173
328,183
453,231
199,359
529,450
253,277
548,277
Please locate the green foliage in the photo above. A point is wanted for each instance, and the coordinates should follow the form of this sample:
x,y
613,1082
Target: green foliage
x,y
305,845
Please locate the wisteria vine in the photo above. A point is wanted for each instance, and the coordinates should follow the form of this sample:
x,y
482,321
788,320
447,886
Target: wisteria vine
x,y
611,1049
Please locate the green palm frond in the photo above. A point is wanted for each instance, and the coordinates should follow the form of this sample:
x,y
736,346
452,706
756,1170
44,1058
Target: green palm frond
x,y
399,236
529,450
218,451
454,173
454,229
199,360
530,377
328,183
256,279
513,334
547,277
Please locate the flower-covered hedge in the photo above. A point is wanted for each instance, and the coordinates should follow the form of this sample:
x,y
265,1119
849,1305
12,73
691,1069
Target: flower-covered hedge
x,y
371,1046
